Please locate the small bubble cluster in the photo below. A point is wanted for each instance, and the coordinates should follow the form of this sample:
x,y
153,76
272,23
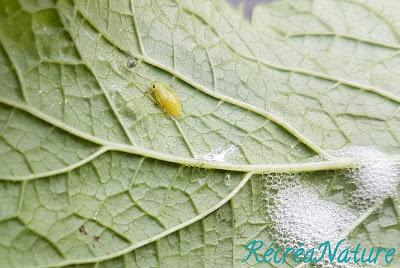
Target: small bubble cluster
x,y
376,177
297,213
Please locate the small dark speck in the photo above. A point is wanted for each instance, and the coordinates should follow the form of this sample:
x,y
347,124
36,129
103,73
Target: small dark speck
x,y
132,62
96,237
82,230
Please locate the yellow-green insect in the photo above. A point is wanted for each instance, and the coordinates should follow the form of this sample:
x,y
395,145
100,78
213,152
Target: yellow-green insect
x,y
166,98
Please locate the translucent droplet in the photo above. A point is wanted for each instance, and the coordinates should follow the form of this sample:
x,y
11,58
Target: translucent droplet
x,y
220,155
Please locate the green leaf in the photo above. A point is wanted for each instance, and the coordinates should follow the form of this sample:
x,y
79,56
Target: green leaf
x,y
93,173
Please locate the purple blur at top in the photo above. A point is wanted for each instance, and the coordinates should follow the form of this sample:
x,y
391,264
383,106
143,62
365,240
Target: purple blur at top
x,y
248,5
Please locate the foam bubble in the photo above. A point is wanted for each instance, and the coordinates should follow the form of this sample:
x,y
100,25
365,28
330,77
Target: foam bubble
x,y
297,213
310,217
376,177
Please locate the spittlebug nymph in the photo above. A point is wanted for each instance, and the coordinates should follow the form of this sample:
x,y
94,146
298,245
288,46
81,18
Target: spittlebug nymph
x,y
166,98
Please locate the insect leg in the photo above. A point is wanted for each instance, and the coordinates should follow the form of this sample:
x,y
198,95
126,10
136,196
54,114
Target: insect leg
x,y
149,95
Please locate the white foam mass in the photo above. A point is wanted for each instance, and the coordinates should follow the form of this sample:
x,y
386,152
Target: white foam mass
x,y
297,213
300,214
376,177
300,217
310,217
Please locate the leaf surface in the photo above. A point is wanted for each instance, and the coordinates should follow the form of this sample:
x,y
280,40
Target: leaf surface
x,y
94,173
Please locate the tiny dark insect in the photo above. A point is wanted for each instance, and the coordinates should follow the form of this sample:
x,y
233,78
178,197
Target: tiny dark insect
x,y
96,238
132,61
82,230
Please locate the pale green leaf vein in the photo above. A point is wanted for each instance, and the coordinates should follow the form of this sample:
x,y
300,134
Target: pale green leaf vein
x,y
246,177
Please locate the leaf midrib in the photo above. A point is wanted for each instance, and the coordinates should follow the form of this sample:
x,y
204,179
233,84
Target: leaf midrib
x,y
251,169
107,146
